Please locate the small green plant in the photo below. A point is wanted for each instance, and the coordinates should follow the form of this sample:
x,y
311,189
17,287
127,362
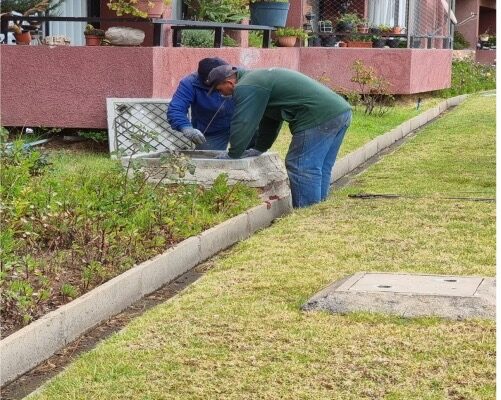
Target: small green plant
x,y
255,39
96,136
197,38
68,291
373,89
218,10
460,42
288,31
90,30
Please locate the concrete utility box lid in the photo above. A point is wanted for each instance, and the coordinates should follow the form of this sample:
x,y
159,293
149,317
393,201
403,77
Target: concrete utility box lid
x,y
407,295
266,171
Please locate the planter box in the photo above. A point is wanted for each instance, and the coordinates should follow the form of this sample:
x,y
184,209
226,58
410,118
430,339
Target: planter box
x,y
367,45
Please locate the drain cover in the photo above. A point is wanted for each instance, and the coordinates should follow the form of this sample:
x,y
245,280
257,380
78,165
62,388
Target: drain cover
x,y
407,295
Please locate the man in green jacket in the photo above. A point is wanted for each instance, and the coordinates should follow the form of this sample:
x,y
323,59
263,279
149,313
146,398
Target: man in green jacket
x,y
318,119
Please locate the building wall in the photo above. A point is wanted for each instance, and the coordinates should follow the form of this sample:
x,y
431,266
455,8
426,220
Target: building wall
x,y
68,86
464,8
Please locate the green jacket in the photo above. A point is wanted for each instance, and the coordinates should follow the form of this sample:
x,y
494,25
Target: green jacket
x,y
264,98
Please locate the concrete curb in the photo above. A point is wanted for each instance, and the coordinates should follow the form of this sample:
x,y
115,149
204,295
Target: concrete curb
x,y
31,345
26,348
356,158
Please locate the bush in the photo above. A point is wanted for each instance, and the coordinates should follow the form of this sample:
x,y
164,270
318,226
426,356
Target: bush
x,y
197,38
460,42
469,77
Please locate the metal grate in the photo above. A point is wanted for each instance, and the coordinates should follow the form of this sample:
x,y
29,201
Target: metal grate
x,y
139,126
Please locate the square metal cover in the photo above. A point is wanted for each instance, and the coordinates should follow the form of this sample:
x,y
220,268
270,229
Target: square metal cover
x,y
139,126
416,284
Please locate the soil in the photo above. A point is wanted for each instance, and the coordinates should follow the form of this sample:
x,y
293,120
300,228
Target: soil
x,y
35,378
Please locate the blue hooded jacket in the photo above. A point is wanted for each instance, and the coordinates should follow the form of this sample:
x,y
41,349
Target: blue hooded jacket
x,y
191,92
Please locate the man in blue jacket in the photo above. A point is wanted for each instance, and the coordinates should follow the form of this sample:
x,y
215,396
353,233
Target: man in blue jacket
x,y
209,128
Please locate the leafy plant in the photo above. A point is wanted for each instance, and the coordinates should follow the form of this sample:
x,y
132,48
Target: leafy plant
x,y
218,10
373,89
197,38
469,77
68,291
96,136
90,30
125,7
289,31
460,42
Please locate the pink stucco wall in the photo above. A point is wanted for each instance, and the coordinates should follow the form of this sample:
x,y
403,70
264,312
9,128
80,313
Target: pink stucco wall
x,y
68,86
487,57
464,8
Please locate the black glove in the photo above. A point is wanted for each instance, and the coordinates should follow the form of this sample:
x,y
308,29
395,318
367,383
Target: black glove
x,y
194,135
251,153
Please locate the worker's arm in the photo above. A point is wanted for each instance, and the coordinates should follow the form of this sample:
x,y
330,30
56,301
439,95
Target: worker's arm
x,y
250,104
267,134
177,113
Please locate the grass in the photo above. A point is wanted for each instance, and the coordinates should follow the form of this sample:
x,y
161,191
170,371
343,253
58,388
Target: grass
x,y
238,333
363,127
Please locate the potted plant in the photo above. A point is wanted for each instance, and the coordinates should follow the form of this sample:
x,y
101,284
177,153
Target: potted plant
x,y
484,37
342,44
269,13
359,41
26,8
378,42
385,29
348,22
329,41
397,30
287,37
139,8
93,36
375,30
325,26
363,26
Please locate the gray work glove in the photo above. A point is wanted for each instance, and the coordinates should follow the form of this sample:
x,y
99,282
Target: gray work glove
x,y
251,153
194,135
223,156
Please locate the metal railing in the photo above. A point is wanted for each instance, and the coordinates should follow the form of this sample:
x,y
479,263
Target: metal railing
x,y
158,39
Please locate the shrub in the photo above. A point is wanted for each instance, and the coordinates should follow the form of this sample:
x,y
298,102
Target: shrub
x,y
197,38
468,77
460,42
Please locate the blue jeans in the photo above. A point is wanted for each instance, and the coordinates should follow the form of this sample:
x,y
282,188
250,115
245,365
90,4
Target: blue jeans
x,y
215,141
311,157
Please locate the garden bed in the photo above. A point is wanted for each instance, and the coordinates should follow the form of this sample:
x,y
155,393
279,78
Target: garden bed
x,y
71,221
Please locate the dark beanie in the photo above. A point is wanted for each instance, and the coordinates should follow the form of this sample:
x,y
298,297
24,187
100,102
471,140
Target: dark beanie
x,y
206,65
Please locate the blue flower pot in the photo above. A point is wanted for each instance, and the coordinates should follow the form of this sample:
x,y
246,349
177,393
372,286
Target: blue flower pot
x,y
269,13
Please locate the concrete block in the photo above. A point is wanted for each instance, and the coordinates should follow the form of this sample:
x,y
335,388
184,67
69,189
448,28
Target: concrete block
x,y
442,106
340,169
418,121
29,346
223,236
384,141
370,149
101,303
406,128
395,134
432,113
259,217
462,98
453,101
281,207
356,158
168,266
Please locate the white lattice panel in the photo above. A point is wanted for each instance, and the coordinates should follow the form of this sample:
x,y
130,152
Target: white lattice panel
x,y
139,126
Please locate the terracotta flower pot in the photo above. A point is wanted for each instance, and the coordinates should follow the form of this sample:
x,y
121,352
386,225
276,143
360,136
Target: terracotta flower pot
x,y
287,41
396,30
343,44
93,40
23,38
153,12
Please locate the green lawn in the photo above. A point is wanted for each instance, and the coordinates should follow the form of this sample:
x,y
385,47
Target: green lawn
x,y
239,333
363,127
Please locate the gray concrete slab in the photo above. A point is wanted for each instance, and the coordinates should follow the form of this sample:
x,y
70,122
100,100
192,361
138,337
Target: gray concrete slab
x,y
409,295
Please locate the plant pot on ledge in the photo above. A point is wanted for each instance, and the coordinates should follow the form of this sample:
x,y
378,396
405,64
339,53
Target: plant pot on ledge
x,y
269,13
23,38
287,41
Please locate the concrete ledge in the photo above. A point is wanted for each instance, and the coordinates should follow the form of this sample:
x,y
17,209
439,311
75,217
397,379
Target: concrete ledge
x,y
371,149
356,158
341,168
